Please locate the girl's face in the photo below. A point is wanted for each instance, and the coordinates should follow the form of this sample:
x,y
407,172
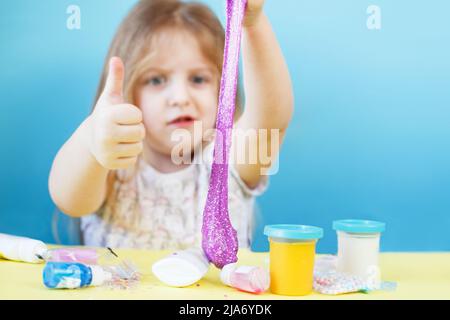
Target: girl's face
x,y
178,87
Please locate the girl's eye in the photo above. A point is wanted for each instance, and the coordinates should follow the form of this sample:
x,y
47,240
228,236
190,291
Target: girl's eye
x,y
156,81
199,79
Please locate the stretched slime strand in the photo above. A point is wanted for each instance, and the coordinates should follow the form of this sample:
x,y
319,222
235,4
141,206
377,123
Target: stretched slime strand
x,y
219,241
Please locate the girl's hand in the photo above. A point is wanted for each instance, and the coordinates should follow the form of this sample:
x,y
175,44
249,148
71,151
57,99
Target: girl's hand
x,y
253,12
116,128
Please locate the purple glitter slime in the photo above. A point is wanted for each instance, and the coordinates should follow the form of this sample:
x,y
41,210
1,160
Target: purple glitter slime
x,y
220,242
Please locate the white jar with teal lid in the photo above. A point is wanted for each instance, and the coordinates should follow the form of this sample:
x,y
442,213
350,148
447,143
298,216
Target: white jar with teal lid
x,y
359,247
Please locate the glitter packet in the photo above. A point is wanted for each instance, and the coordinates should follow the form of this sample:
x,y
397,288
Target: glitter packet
x,y
327,280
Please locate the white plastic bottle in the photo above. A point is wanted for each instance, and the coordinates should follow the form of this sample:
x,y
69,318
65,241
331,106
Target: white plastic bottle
x,y
183,268
22,249
245,278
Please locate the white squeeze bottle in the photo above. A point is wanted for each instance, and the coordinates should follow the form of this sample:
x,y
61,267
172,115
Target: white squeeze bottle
x,y
22,249
183,268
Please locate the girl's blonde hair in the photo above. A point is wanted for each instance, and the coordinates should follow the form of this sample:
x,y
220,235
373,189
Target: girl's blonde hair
x,y
135,36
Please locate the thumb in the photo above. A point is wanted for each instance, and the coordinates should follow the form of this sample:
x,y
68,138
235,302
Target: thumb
x,y
113,90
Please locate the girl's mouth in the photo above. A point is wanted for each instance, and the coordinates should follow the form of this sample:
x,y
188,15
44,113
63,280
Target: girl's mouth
x,y
183,121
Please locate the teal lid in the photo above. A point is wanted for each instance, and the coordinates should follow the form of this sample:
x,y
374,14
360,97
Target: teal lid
x,y
293,231
359,226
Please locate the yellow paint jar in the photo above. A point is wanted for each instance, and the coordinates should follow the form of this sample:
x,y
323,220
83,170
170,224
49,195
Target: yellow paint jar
x,y
292,252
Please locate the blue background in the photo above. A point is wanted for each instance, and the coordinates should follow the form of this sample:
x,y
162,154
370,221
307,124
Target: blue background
x,y
369,139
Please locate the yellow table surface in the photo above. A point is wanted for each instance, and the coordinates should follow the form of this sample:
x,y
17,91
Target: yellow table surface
x,y
418,276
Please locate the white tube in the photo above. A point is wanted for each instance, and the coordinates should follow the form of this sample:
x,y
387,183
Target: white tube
x,y
21,249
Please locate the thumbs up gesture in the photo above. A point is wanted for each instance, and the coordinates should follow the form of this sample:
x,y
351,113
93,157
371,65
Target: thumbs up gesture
x,y
116,128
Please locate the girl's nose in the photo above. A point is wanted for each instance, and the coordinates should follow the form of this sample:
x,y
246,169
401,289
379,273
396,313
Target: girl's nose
x,y
179,95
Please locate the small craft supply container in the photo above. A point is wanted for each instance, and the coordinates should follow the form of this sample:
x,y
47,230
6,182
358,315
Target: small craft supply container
x,y
292,253
359,247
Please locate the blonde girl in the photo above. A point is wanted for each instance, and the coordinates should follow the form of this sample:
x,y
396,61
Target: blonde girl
x,y
162,73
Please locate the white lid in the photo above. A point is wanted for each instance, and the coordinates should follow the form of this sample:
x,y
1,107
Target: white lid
x,y
99,276
225,274
182,269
